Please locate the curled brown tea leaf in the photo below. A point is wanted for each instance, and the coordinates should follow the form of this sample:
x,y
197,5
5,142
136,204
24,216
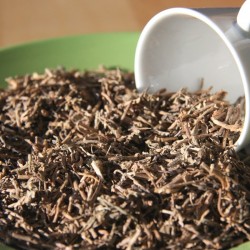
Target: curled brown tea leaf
x,y
87,162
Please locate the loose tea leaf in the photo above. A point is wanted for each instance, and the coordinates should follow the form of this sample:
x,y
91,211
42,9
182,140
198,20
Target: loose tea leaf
x,y
88,162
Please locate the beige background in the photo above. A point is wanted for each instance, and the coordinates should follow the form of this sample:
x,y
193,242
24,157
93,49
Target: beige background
x,y
28,20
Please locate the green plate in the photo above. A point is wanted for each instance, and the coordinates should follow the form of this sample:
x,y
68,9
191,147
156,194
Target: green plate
x,y
79,52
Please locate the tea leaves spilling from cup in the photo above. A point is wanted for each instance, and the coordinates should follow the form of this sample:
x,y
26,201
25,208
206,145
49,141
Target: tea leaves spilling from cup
x,y
87,161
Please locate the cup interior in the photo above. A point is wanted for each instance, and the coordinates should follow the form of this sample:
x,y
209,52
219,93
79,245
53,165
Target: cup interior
x,y
181,48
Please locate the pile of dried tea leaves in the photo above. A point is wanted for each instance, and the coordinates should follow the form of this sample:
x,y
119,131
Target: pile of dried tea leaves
x,y
86,162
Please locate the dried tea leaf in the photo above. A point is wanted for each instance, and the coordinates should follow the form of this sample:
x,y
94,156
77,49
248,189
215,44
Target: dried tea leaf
x,y
88,162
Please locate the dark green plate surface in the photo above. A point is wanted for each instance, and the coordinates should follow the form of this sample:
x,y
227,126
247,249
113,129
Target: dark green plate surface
x,y
79,52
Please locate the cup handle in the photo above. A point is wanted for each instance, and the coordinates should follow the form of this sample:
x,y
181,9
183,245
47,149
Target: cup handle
x,y
243,17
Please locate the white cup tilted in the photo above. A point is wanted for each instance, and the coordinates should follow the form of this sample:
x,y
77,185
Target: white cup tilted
x,y
178,47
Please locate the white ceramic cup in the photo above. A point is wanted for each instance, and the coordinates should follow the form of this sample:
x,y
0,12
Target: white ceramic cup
x,y
179,47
